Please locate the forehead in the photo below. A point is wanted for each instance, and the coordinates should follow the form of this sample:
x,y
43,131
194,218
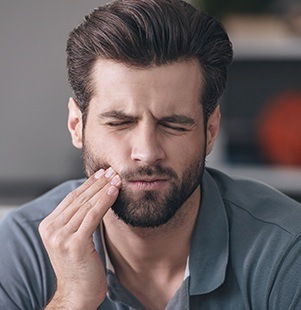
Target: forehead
x,y
166,87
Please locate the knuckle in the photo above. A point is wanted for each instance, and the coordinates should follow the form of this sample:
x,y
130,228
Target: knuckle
x,y
72,248
64,246
54,239
76,198
93,215
41,226
89,182
59,243
84,209
81,200
77,244
101,182
45,229
87,207
91,218
72,195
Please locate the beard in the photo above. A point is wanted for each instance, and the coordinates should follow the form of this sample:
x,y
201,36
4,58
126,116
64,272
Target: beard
x,y
150,208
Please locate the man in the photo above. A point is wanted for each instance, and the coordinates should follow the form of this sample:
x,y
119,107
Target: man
x,y
150,228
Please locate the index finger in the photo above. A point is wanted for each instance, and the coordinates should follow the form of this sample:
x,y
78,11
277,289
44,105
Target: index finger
x,y
105,200
87,187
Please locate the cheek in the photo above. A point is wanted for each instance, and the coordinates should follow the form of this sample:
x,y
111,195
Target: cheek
x,y
186,152
107,149
194,144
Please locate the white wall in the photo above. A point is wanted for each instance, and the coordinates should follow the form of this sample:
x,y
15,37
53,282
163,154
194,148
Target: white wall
x,y
34,143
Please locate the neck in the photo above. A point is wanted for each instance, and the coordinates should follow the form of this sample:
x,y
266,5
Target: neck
x,y
145,249
151,262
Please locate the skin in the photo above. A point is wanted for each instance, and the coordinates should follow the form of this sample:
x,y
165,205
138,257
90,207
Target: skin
x,y
142,257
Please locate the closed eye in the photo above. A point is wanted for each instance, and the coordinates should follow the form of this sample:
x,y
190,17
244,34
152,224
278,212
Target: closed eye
x,y
117,119
119,123
173,127
177,123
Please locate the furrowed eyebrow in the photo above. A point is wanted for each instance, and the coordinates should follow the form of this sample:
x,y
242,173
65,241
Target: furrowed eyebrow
x,y
178,119
116,115
174,118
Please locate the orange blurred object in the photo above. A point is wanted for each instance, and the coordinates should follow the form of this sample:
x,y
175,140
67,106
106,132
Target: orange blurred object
x,y
279,129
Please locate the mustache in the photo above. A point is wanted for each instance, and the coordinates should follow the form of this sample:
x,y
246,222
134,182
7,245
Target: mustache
x,y
91,165
150,171
157,171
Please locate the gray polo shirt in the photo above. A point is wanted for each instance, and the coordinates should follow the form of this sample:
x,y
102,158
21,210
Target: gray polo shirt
x,y
245,252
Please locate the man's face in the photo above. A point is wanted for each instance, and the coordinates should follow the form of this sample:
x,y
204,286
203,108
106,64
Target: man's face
x,y
148,125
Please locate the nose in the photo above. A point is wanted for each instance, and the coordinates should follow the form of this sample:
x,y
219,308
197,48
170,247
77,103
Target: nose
x,y
147,146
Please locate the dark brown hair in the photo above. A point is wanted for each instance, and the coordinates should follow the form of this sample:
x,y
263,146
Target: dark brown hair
x,y
144,33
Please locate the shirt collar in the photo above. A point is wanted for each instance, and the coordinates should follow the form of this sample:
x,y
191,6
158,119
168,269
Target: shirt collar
x,y
109,265
210,243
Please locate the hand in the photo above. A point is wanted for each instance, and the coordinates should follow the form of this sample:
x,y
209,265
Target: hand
x,y
67,236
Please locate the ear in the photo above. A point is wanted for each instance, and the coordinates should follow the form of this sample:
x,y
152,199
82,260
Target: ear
x,y
213,124
75,123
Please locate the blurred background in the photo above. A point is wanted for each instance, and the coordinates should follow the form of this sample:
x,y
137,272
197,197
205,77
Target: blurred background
x,y
35,147
261,108
261,127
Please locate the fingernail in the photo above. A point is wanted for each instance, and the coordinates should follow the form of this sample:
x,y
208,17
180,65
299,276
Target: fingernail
x,y
99,173
112,190
109,172
115,180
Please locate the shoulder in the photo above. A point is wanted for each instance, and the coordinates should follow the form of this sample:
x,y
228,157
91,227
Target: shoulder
x,y
42,206
264,241
20,226
26,275
258,202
